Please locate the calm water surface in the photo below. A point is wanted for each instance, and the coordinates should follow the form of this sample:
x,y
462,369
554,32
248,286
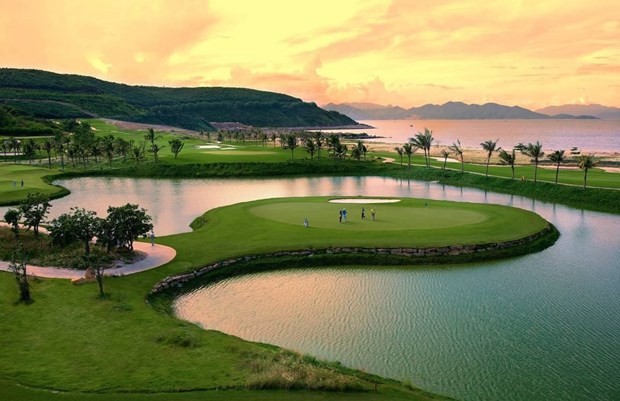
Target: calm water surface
x,y
587,135
540,327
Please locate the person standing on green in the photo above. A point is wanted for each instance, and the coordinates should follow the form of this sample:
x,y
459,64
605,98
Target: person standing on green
x,y
373,212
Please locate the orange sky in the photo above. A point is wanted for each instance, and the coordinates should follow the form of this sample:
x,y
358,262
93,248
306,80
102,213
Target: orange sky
x,y
402,52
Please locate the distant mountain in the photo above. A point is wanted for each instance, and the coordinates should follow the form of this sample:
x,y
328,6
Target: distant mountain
x,y
50,95
369,111
595,110
446,111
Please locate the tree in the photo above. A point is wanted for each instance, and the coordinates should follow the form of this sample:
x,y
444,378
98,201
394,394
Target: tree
x,y
490,147
16,146
175,146
122,147
47,146
79,225
400,152
35,208
137,152
362,149
310,147
445,155
60,144
127,223
18,267
12,217
457,149
340,150
533,150
423,140
108,148
154,149
409,149
30,150
318,140
586,162
356,152
150,136
509,159
290,142
557,157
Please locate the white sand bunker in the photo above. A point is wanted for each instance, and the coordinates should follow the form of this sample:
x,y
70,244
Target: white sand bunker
x,y
360,200
214,147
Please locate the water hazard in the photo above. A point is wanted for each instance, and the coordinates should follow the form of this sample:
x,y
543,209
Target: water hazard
x,y
540,327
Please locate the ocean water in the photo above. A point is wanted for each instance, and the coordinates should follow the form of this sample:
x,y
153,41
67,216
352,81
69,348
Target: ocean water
x,y
587,135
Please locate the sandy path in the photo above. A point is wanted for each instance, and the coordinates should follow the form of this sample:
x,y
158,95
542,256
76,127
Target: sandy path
x,y
156,255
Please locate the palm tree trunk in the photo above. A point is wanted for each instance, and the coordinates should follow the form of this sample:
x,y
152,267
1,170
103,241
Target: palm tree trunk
x,y
488,161
585,178
557,171
535,169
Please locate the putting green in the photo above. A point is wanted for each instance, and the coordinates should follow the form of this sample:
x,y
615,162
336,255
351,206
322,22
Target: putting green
x,y
410,222
325,215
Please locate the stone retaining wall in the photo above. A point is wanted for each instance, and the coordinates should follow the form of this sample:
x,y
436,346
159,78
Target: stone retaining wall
x,y
453,250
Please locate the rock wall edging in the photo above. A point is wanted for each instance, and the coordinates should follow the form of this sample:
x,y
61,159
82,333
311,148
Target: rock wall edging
x,y
452,250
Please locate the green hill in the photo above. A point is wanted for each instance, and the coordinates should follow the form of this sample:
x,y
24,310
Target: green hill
x,y
49,95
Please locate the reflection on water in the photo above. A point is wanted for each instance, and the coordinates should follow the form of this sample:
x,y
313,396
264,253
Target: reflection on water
x,y
540,327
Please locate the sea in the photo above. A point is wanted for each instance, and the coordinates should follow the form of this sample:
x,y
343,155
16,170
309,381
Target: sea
x,y
587,136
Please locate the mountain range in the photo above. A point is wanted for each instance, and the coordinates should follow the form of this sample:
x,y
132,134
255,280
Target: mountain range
x,y
595,110
449,111
49,95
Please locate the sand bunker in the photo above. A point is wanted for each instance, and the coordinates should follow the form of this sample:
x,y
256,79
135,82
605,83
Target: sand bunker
x,y
359,200
214,147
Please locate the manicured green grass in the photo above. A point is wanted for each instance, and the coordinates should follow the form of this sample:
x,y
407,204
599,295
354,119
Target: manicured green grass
x,y
71,340
33,182
410,222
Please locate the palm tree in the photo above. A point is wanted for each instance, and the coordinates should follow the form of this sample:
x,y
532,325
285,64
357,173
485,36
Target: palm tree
x,y
48,145
424,140
509,159
557,157
400,152
61,141
457,149
290,142
310,147
356,152
318,141
586,162
533,150
150,136
16,145
445,155
490,147
409,149
362,149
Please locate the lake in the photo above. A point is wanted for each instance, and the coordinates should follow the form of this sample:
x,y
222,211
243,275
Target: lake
x,y
587,135
544,326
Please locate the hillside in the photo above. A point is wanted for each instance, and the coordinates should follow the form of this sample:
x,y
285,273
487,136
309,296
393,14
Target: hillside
x,y
595,110
13,123
446,111
50,95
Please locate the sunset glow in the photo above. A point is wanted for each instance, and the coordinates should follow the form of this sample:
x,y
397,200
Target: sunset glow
x,y
407,53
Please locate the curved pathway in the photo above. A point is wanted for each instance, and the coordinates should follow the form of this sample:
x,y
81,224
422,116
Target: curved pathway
x,y
156,255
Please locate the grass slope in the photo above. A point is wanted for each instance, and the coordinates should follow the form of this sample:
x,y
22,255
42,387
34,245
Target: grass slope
x,y
51,95
70,340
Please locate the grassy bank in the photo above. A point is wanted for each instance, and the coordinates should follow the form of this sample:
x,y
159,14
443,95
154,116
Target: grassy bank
x,y
596,199
70,340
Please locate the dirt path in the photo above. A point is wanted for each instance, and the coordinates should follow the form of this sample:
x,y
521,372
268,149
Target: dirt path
x,y
156,255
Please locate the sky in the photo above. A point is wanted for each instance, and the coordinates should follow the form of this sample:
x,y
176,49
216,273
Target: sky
x,y
401,52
